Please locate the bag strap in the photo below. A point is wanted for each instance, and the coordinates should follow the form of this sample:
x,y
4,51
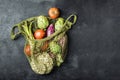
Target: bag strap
x,y
13,33
74,19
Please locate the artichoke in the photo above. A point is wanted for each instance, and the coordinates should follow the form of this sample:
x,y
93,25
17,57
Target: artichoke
x,y
42,22
59,24
54,47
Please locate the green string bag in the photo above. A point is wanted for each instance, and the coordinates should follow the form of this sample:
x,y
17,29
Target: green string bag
x,y
47,52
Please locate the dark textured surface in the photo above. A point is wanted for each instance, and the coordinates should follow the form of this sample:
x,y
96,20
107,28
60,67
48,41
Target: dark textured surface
x,y
94,42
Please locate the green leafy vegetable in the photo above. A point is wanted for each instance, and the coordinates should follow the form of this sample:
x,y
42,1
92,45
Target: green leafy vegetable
x,y
59,59
54,47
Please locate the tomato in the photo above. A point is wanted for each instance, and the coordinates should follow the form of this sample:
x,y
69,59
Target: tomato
x,y
39,34
45,46
27,50
54,13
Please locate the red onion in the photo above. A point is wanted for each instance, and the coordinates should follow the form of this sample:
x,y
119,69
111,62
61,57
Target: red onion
x,y
50,30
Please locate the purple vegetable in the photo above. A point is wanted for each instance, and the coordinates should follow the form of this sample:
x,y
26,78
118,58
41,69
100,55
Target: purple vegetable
x,y
50,30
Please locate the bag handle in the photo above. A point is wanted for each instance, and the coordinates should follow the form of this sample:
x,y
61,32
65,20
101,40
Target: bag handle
x,y
74,19
13,33
70,21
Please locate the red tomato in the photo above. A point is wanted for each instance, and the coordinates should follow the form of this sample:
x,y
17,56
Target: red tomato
x,y
27,50
54,13
39,34
45,46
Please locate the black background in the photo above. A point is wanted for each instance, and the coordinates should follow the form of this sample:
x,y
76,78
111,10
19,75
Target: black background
x,y
94,41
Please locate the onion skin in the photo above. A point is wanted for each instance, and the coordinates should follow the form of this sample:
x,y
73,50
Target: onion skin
x,y
50,30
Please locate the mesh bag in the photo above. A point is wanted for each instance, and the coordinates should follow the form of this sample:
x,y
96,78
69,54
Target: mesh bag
x,y
47,52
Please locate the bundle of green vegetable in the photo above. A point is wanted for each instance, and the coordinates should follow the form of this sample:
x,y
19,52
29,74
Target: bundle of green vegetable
x,y
46,40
